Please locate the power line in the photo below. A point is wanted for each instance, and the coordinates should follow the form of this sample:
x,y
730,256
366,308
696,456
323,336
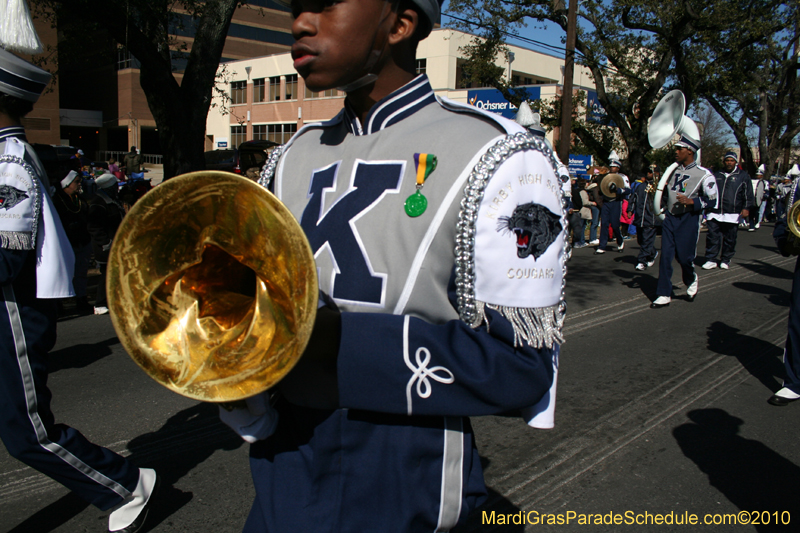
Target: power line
x,y
510,34
528,40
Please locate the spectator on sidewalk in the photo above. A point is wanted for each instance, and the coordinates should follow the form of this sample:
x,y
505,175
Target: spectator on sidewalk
x,y
105,216
73,212
132,162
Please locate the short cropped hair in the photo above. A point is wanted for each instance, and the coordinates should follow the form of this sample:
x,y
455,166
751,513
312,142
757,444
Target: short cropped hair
x,y
14,107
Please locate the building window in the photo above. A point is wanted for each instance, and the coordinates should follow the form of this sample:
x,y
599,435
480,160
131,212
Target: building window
x,y
238,135
274,88
421,66
528,81
291,87
260,132
238,92
281,133
259,90
323,94
515,80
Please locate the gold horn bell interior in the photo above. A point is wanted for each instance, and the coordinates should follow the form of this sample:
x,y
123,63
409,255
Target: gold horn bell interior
x,y
605,184
212,286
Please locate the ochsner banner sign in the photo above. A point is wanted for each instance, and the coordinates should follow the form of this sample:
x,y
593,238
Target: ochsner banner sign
x,y
579,163
492,100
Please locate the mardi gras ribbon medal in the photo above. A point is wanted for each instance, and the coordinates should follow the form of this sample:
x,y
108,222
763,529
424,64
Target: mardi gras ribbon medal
x,y
416,204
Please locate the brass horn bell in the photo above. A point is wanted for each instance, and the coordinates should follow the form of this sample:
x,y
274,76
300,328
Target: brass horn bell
x,y
793,222
607,182
212,286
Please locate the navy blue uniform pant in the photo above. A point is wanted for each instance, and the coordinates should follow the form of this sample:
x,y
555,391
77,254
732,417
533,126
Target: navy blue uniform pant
x,y
721,233
27,426
609,215
791,354
646,238
679,236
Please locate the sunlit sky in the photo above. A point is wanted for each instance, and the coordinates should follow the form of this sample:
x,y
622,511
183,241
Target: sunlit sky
x,y
548,36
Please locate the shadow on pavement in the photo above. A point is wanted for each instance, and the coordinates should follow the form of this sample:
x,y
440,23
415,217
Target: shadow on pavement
x,y
186,440
749,474
646,283
775,295
761,358
79,355
766,269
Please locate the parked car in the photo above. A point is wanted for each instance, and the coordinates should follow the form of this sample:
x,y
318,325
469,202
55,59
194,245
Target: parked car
x,y
246,160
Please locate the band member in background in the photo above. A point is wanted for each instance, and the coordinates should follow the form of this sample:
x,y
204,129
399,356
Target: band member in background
x,y
789,244
735,191
762,188
690,190
611,211
640,204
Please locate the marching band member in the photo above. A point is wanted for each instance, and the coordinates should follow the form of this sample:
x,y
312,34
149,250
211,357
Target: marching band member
x,y
372,431
735,198
690,189
36,264
790,391
612,209
641,205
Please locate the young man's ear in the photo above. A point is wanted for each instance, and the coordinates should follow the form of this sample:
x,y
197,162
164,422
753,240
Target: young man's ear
x,y
405,26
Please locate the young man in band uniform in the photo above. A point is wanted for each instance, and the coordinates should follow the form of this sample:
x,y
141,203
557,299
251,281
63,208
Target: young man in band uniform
x,y
36,263
790,391
372,431
735,198
690,189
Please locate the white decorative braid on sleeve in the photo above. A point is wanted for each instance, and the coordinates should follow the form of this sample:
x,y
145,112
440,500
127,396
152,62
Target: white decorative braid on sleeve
x,y
421,372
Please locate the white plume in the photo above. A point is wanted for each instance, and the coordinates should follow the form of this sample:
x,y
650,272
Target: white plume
x,y
16,28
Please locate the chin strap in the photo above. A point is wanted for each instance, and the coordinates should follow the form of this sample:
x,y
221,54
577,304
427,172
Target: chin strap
x,y
373,58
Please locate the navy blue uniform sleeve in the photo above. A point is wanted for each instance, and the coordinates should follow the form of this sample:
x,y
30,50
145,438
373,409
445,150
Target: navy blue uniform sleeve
x,y
11,263
402,364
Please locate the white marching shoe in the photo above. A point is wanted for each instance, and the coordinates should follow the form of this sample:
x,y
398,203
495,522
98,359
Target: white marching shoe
x,y
708,265
130,517
691,290
661,301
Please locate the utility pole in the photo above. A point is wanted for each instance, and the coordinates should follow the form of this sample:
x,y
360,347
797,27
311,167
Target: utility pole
x,y
566,93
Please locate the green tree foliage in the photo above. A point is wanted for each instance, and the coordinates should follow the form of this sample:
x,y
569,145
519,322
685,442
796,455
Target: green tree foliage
x,y
751,81
635,50
147,29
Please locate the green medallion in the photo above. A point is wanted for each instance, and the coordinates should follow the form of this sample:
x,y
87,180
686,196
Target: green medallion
x,y
416,204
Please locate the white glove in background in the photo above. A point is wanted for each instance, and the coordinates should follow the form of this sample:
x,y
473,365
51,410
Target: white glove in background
x,y
256,422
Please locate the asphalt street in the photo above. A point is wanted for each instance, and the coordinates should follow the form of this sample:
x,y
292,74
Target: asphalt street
x,y
660,412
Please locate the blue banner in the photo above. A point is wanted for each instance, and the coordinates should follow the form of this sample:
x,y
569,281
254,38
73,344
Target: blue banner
x,y
492,100
578,164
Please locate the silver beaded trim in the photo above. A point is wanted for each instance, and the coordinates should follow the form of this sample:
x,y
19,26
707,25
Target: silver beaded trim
x,y
22,240
537,327
268,172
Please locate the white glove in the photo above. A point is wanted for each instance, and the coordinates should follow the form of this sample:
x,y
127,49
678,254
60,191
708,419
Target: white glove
x,y
107,247
256,422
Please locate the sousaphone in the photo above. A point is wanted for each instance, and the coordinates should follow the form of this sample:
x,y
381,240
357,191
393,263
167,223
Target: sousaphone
x,y
212,286
667,121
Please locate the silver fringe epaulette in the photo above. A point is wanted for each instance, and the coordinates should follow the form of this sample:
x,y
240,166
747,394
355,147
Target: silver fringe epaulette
x,y
268,171
535,326
22,240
